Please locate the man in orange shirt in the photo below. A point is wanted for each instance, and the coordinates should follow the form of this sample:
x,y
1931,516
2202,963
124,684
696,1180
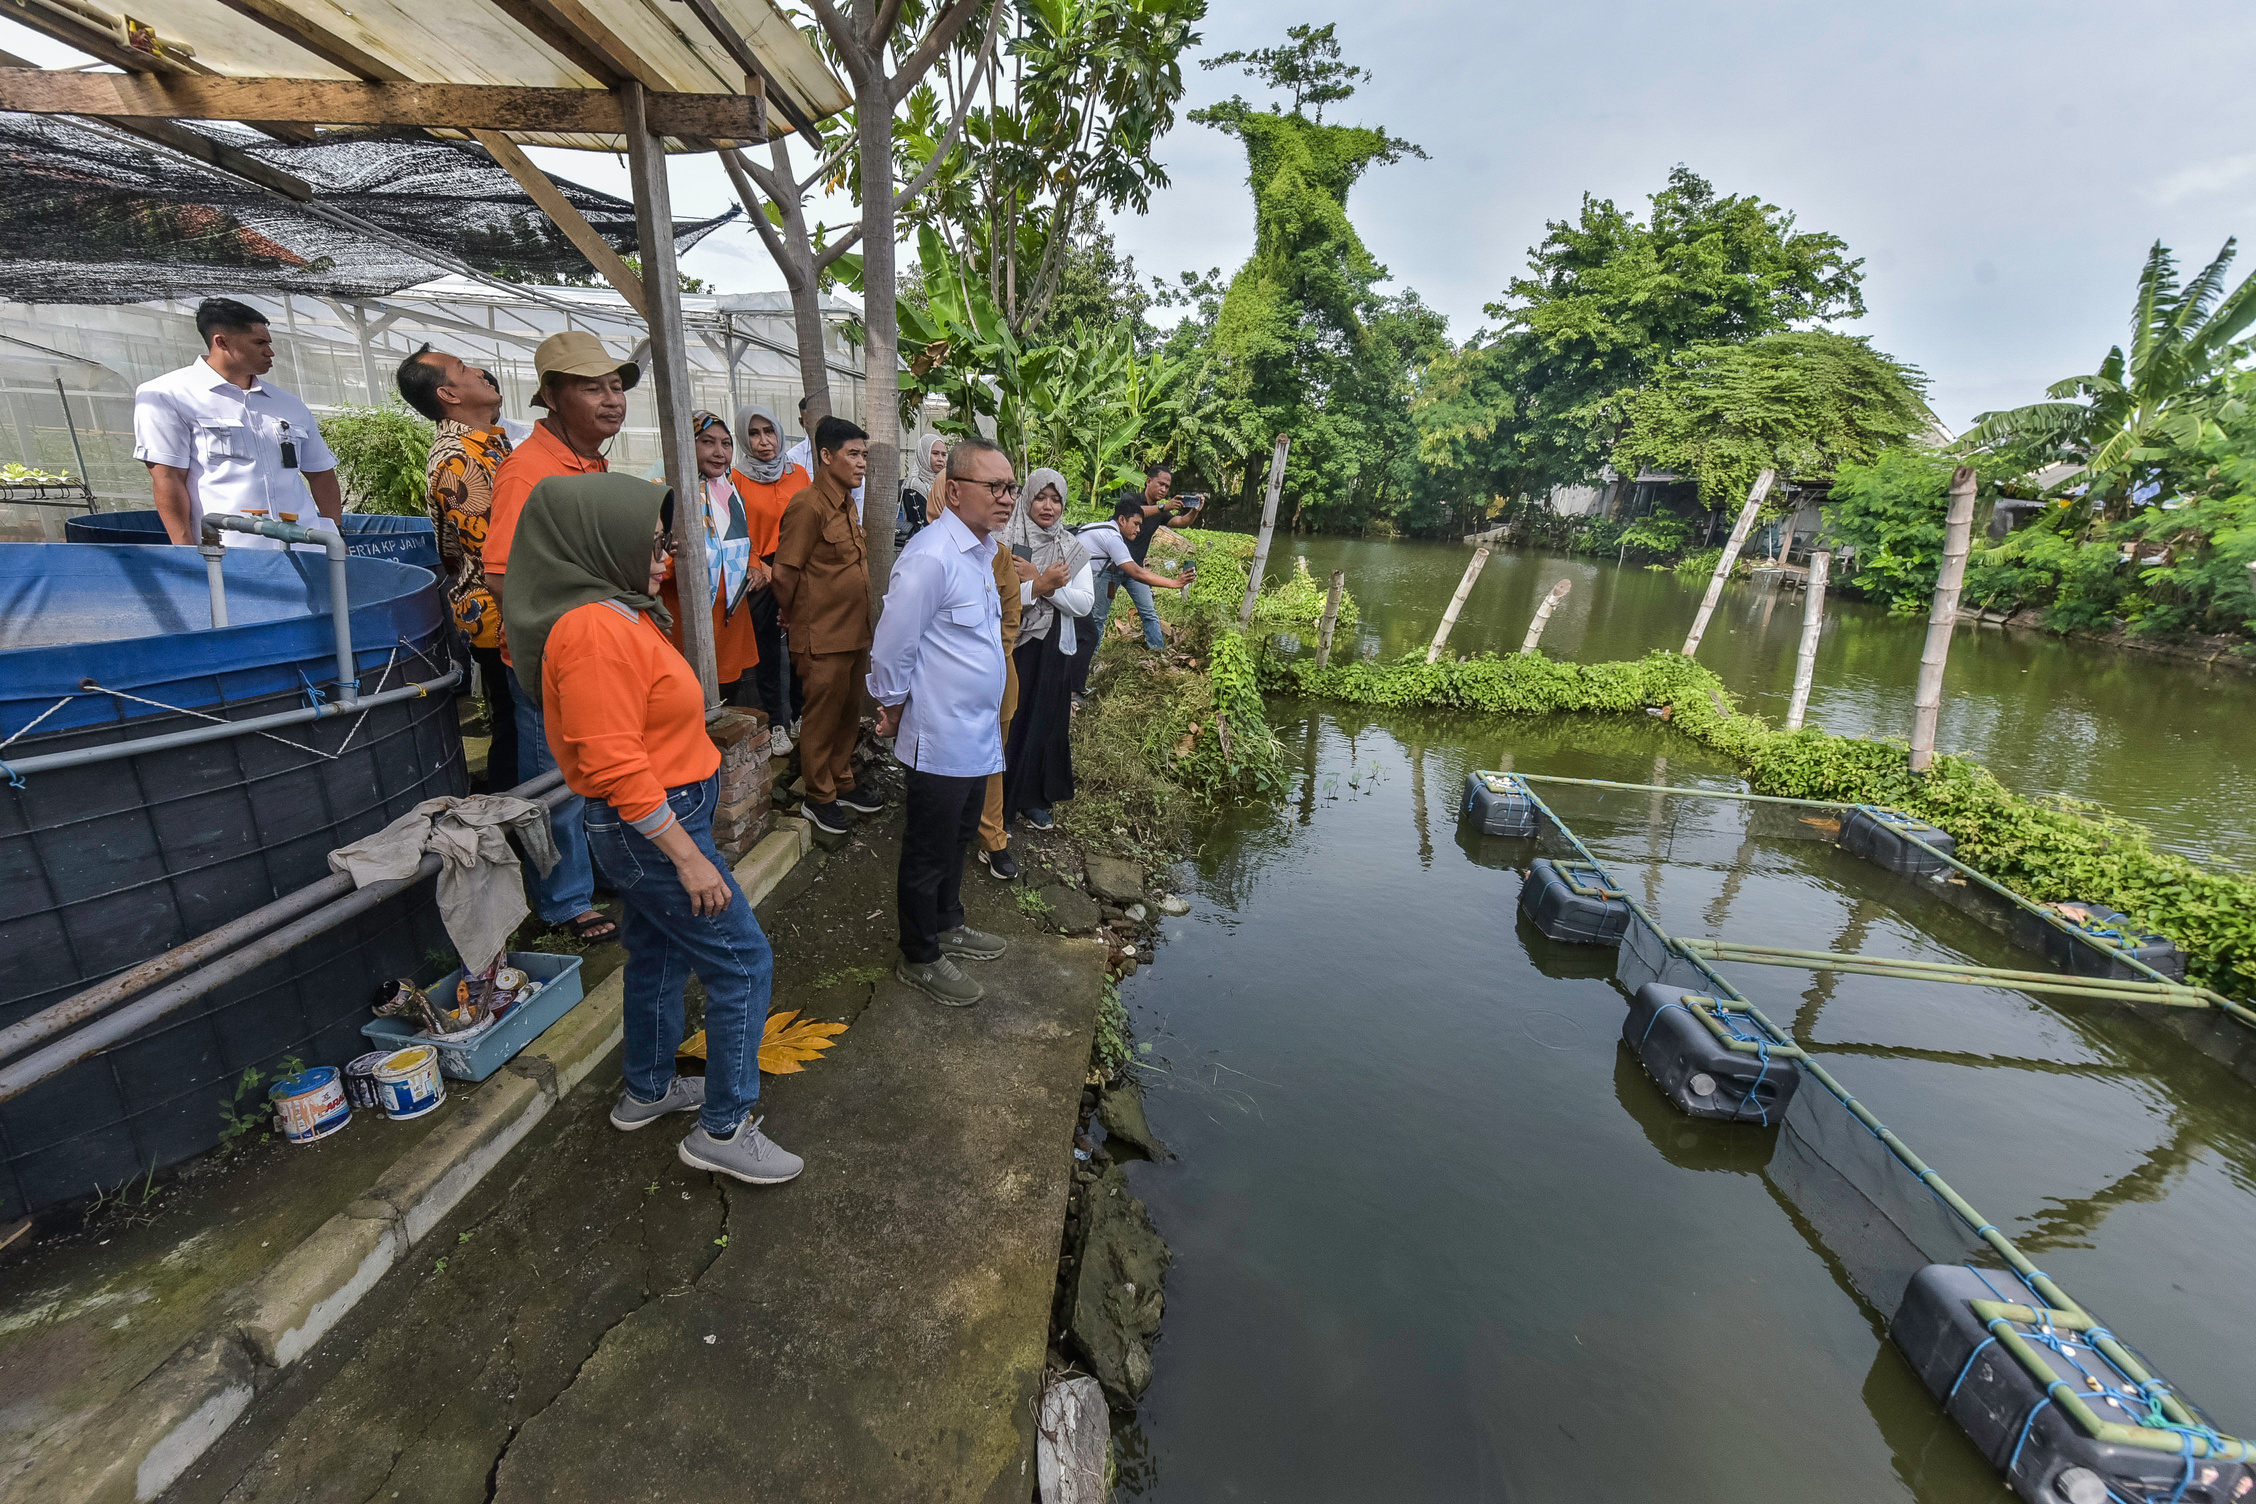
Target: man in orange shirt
x,y
584,388
822,585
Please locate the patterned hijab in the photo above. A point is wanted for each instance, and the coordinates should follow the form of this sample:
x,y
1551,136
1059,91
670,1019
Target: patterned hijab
x,y
766,472
581,539
1049,545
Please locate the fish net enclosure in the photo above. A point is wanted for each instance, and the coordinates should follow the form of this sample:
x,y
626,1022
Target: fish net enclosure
x,y
89,215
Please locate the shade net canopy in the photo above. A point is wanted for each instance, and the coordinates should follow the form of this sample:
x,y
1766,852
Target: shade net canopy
x,y
92,216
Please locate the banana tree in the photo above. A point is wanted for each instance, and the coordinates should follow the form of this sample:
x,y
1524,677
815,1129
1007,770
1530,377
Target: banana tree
x,y
2140,413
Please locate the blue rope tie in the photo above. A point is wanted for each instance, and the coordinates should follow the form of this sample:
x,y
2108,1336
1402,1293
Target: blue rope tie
x,y
2015,1460
1969,1368
15,779
313,696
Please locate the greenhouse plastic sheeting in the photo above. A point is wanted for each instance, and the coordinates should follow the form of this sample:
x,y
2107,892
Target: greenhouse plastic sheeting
x,y
368,535
139,619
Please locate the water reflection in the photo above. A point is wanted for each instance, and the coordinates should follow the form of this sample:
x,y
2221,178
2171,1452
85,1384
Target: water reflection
x,y
2156,740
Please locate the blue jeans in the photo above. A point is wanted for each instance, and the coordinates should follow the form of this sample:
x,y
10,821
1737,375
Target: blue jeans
x,y
666,941
1140,593
569,889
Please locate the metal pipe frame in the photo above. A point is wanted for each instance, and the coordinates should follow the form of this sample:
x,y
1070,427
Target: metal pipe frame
x,y
115,1027
104,995
332,543
2035,1278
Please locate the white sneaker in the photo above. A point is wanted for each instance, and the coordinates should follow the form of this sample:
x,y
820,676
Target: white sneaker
x,y
779,742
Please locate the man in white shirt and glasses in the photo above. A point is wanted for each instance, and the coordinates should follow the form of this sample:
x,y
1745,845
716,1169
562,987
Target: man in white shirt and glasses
x,y
937,674
218,439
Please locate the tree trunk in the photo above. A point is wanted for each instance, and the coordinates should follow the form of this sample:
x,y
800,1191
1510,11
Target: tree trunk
x,y
806,303
1927,705
881,332
1457,603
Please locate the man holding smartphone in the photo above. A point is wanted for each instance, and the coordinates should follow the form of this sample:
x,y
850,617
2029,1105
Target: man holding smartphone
x,y
1154,511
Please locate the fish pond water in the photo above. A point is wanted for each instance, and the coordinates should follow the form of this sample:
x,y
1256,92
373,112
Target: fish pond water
x,y
2157,740
1437,1235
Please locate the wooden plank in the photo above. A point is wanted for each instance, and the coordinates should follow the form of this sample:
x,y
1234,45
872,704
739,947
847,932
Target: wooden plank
x,y
589,39
669,371
472,107
568,219
293,23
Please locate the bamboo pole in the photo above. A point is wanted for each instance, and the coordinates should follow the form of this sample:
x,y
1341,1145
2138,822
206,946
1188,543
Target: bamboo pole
x,y
1268,526
1331,619
1737,541
1927,705
1457,602
1543,614
1813,618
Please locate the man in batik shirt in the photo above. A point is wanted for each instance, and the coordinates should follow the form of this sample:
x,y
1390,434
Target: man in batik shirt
x,y
465,403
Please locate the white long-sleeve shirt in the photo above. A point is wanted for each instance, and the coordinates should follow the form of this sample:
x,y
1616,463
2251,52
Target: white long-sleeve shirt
x,y
939,647
1076,598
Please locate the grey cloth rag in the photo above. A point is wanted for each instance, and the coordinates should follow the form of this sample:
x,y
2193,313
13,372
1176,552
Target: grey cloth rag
x,y
481,887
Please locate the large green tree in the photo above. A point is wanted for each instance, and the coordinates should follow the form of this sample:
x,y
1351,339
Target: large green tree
x,y
1607,302
2138,418
1292,350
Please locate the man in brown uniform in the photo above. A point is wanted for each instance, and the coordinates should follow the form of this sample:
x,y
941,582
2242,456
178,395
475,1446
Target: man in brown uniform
x,y
822,590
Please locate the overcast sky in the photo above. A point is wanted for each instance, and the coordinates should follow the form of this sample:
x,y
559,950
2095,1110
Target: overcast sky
x,y
2002,167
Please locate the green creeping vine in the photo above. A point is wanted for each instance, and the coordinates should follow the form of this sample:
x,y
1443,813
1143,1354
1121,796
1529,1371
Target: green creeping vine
x,y
2046,848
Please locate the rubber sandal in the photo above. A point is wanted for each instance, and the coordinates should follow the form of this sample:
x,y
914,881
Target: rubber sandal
x,y
592,929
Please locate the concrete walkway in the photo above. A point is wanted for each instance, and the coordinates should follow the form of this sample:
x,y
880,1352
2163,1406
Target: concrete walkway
x,y
597,1322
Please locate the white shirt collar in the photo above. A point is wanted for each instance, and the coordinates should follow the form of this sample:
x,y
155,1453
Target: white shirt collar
x,y
963,537
218,381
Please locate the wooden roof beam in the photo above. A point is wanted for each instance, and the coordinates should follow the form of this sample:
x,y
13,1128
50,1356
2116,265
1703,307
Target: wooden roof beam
x,y
72,28
296,25
466,107
741,50
575,31
568,219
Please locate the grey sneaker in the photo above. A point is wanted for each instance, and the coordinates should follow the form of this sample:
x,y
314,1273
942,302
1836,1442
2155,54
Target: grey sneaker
x,y
943,981
685,1094
967,944
748,1154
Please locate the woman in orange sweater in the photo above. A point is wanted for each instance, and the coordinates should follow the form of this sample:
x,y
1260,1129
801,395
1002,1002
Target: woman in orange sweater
x,y
625,717
736,554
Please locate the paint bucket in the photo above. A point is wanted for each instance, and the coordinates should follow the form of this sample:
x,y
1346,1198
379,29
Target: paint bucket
x,y
408,1084
310,1105
360,1080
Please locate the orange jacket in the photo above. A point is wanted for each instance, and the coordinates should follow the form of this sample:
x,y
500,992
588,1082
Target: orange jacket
x,y
624,713
530,463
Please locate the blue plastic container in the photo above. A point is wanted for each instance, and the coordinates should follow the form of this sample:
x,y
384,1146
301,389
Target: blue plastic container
x,y
368,535
1701,1075
1893,840
1497,804
476,1058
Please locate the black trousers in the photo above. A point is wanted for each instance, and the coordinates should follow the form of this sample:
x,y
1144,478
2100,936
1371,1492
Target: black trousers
x,y
499,683
776,688
943,816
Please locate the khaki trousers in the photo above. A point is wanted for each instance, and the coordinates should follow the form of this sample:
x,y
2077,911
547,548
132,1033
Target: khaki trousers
x,y
992,834
831,721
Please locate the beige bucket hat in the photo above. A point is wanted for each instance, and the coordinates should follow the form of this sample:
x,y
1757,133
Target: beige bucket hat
x,y
576,352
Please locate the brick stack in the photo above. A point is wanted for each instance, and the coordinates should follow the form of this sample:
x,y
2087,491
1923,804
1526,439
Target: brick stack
x,y
742,736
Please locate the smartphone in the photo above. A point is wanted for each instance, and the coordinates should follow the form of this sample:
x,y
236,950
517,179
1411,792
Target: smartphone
x,y
1021,551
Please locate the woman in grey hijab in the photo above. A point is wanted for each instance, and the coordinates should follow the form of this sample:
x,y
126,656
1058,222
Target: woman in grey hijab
x,y
920,486
1038,754
770,470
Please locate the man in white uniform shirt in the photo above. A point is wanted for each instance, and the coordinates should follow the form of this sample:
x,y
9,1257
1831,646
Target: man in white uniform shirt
x,y
802,454
937,674
218,439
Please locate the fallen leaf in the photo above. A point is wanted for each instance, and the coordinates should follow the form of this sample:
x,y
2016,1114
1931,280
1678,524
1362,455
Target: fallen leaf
x,y
785,1047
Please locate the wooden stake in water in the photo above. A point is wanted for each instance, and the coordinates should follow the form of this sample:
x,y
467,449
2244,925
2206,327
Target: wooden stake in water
x,y
1457,603
1737,541
1927,705
1268,526
1331,619
1543,614
1813,617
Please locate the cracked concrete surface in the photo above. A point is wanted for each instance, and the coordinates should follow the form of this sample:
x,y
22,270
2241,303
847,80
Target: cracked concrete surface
x,y
599,1322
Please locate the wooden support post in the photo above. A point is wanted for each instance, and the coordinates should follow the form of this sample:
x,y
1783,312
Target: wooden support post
x,y
1331,619
1737,541
1927,705
573,223
1268,526
1457,603
1813,618
1543,614
669,370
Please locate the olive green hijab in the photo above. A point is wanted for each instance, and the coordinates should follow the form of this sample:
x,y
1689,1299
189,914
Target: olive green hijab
x,y
581,539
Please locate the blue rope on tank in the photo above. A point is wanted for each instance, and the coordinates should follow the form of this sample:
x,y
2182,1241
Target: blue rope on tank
x,y
1730,1022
